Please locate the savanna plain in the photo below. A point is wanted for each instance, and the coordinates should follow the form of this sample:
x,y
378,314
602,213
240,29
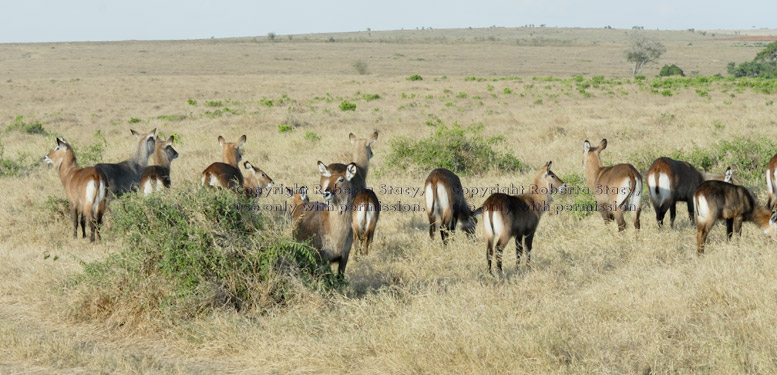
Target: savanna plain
x,y
593,301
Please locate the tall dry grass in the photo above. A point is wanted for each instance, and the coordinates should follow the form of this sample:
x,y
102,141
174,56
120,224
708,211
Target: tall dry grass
x,y
595,301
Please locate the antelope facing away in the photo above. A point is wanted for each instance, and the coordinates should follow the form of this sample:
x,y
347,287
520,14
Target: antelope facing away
x,y
125,176
617,188
328,227
507,216
366,206
156,177
86,189
771,183
717,200
445,203
670,181
227,173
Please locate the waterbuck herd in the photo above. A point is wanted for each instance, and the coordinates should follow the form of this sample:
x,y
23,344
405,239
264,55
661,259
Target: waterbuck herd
x,y
351,211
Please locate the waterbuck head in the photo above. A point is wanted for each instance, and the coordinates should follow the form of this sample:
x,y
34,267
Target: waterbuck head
x,y
164,152
336,183
362,147
547,182
469,221
297,200
230,151
591,157
146,145
771,229
61,153
255,178
728,176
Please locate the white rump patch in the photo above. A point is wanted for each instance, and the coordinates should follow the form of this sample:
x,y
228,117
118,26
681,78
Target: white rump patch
x,y
769,183
498,224
90,195
487,224
636,198
214,181
443,202
660,180
429,195
370,214
361,220
148,188
623,192
702,208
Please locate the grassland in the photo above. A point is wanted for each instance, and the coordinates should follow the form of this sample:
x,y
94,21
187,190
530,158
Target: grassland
x,y
595,301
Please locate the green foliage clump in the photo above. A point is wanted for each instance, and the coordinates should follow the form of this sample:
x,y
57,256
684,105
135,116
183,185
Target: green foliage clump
x,y
175,118
671,70
191,102
186,253
578,198
764,65
347,106
34,127
415,77
133,120
22,165
284,128
93,153
311,136
213,103
370,97
461,150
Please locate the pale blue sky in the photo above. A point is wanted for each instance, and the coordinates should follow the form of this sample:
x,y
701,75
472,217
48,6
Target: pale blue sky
x,y
95,20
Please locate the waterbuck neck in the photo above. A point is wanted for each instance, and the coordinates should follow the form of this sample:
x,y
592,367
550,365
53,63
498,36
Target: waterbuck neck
x,y
361,159
141,154
593,166
67,166
161,158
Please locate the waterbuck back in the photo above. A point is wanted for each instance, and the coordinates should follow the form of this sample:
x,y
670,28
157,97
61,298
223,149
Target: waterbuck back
x,y
718,200
445,203
125,176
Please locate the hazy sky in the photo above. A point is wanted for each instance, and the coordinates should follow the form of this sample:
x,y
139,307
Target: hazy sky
x,y
93,20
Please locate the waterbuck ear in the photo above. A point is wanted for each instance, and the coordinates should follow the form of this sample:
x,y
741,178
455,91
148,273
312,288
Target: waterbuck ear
x,y
289,191
221,141
547,168
62,143
152,133
170,140
248,165
602,145
351,137
773,219
136,134
586,146
477,212
729,175
323,170
241,141
350,171
374,136
303,193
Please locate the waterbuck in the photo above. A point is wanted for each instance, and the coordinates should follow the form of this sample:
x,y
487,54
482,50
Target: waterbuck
x,y
445,202
507,216
125,176
156,177
617,188
670,181
771,183
227,173
718,200
255,180
86,189
328,226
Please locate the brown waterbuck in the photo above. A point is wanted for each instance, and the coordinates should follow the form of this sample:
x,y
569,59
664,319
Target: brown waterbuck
x,y
328,226
771,183
156,177
125,176
227,173
297,206
445,203
86,189
255,180
670,181
718,200
366,206
617,188
507,216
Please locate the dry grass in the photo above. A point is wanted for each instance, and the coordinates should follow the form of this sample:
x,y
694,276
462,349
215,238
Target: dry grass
x,y
595,301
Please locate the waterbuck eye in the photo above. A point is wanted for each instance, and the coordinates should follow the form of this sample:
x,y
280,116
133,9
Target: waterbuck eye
x,y
340,179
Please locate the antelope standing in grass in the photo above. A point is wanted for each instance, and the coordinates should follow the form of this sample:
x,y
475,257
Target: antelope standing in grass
x,y
445,203
507,216
670,181
86,189
328,227
226,174
617,188
717,200
125,176
156,177
771,183
366,206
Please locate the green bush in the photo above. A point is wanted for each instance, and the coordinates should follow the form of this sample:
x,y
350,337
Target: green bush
x,y
22,165
578,198
27,127
415,77
347,106
283,128
370,97
133,120
185,253
311,136
93,153
191,102
462,150
671,70
213,103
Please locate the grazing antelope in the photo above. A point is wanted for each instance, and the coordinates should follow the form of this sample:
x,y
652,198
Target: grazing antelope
x,y
771,183
716,200
617,188
226,174
255,180
366,206
156,177
328,227
86,189
125,176
670,181
507,216
445,203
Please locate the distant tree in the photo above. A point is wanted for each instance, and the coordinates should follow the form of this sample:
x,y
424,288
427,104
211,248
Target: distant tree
x,y
763,65
671,70
271,36
768,54
643,51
